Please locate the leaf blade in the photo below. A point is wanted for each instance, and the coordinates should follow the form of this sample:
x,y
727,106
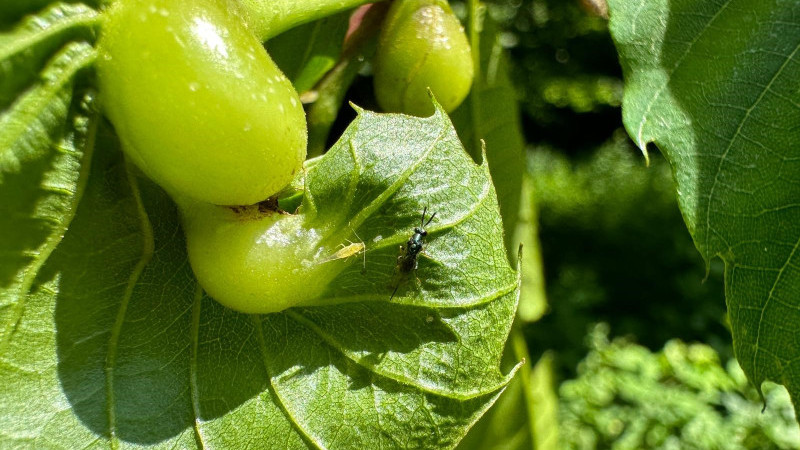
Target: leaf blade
x,y
725,117
132,341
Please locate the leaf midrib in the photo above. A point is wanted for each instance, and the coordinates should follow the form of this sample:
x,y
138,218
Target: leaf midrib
x,y
148,248
376,203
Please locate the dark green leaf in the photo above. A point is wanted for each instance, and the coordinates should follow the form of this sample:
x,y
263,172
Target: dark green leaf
x,y
714,86
490,115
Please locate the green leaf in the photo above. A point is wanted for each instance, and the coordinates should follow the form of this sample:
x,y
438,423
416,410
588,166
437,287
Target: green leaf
x,y
533,298
25,49
117,345
46,131
526,415
627,396
306,53
12,11
490,115
545,403
714,86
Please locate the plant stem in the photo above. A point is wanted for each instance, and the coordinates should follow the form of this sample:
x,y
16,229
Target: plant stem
x,y
358,49
269,18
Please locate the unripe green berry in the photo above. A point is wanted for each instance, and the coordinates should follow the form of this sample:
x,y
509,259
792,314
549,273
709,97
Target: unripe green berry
x,y
422,45
260,261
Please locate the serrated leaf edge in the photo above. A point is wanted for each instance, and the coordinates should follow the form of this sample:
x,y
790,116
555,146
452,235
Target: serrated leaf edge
x,y
88,18
52,241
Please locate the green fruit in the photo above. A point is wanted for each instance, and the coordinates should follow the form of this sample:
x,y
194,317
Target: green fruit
x,y
260,261
422,45
197,102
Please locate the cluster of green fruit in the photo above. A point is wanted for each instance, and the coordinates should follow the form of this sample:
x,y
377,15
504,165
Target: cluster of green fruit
x,y
201,108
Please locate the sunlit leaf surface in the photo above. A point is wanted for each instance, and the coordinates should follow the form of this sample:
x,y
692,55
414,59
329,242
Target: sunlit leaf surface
x,y
107,340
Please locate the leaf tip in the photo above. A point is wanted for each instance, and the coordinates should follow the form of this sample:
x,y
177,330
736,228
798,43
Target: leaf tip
x,y
359,110
438,109
515,369
643,148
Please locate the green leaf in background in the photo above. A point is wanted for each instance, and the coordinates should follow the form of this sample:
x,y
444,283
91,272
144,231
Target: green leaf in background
x,y
490,114
307,52
714,86
117,345
532,298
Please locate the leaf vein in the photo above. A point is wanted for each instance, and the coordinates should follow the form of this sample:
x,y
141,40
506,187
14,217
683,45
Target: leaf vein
x,y
766,303
262,344
193,386
738,133
373,206
337,346
146,255
639,134
52,241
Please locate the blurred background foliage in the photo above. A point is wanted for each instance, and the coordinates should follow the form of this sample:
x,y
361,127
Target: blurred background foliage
x,y
681,397
625,285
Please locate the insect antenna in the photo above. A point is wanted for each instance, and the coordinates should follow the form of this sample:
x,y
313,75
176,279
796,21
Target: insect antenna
x,y
395,291
429,220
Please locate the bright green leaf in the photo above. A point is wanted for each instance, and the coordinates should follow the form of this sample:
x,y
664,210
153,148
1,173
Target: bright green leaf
x,y
714,86
26,48
117,344
533,298
12,11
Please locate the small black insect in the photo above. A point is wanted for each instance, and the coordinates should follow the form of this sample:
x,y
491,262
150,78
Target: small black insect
x,y
407,262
